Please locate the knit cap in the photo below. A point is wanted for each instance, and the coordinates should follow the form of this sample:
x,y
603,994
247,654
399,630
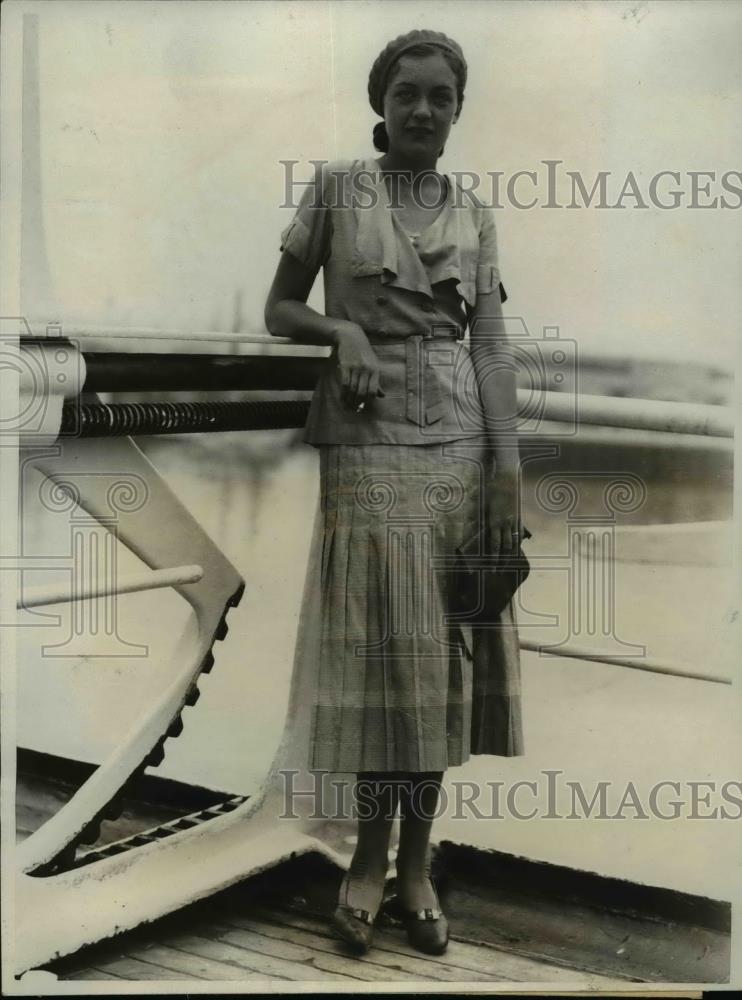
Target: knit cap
x,y
388,56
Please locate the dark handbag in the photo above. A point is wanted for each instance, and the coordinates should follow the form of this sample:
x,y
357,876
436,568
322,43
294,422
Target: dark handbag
x,y
482,585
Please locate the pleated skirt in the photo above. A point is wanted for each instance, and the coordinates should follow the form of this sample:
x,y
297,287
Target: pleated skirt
x,y
398,683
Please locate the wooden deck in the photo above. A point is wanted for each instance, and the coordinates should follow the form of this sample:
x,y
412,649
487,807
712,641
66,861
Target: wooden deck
x,y
512,921
235,938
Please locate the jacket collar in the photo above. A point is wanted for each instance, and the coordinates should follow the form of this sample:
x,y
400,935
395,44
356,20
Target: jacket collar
x,y
381,245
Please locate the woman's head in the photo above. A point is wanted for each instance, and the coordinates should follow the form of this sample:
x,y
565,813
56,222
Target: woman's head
x,y
417,86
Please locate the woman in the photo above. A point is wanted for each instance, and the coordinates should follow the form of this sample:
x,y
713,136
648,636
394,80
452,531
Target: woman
x,y
416,438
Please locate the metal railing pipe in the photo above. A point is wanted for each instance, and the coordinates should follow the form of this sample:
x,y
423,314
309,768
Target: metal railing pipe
x,y
132,583
634,663
675,418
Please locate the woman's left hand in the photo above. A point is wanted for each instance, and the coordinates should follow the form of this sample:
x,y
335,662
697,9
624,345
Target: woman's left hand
x,y
503,512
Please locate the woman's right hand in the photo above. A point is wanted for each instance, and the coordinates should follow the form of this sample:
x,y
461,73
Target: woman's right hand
x,y
358,364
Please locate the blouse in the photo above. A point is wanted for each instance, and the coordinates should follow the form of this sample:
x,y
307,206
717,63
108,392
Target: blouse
x,y
407,293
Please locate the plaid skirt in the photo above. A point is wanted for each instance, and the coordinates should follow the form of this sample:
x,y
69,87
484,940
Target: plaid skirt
x,y
398,683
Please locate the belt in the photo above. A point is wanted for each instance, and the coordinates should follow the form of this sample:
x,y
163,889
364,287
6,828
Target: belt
x,y
434,333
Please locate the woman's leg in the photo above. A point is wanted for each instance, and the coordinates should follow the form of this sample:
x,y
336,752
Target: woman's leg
x,y
418,805
377,800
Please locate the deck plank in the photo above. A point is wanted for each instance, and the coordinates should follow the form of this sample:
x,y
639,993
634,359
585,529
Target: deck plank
x,y
91,975
383,953
324,958
125,967
195,966
270,966
493,964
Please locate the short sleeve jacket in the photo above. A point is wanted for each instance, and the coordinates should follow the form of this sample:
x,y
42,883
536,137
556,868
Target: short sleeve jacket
x,y
407,292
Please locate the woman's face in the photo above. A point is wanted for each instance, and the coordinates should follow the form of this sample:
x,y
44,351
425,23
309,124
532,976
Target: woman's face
x,y
420,106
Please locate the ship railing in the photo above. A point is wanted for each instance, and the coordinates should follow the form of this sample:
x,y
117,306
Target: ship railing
x,y
284,366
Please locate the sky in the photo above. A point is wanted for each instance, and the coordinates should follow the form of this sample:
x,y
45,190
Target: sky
x,y
163,127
